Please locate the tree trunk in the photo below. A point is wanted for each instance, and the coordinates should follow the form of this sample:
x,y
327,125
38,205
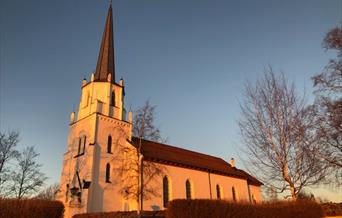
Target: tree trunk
x,y
288,180
293,193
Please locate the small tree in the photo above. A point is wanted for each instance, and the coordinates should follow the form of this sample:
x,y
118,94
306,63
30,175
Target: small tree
x,y
8,152
27,178
277,131
144,123
136,174
328,104
49,193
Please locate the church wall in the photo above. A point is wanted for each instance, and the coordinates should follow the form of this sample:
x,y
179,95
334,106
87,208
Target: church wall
x,y
200,186
97,97
256,193
226,185
84,129
105,196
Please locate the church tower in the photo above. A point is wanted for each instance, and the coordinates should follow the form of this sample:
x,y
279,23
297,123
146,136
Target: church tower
x,y
98,126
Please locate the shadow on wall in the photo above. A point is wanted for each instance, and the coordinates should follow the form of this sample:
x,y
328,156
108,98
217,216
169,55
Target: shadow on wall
x,y
96,196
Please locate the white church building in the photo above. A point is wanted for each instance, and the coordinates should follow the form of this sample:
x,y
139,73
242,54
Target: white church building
x,y
89,182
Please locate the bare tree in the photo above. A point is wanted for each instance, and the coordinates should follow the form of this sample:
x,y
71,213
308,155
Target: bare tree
x,y
278,134
8,143
137,175
328,104
49,193
144,123
27,178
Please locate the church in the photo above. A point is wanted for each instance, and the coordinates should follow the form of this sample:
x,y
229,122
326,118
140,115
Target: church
x,y
90,181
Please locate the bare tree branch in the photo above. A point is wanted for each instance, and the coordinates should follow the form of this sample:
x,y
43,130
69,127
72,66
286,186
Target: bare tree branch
x,y
27,178
328,105
278,133
8,152
136,175
49,193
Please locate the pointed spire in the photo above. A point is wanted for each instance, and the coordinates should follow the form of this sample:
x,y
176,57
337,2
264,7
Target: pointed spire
x,y
105,62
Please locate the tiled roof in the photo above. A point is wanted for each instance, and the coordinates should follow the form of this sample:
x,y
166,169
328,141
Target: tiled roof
x,y
171,155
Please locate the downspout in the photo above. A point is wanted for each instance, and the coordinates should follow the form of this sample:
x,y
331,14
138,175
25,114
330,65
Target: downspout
x,y
141,161
211,196
140,158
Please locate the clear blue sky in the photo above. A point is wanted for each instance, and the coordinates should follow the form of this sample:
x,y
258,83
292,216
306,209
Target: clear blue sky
x,y
190,58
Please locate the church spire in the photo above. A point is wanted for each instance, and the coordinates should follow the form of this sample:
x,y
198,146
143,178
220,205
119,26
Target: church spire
x,y
105,62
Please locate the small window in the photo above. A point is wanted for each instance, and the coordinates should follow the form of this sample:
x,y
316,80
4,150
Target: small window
x,y
108,173
66,193
253,199
84,144
165,191
87,99
234,193
109,144
79,146
112,101
188,189
218,191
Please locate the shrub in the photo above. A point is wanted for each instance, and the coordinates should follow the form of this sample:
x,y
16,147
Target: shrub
x,y
332,209
225,209
31,208
131,214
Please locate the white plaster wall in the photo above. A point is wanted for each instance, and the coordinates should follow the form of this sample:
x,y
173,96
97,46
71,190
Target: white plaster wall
x,y
105,196
199,186
256,192
101,92
84,127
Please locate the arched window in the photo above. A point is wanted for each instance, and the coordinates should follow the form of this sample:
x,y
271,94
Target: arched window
x,y
112,100
109,144
234,193
165,191
108,172
79,145
84,144
253,199
218,191
188,189
87,99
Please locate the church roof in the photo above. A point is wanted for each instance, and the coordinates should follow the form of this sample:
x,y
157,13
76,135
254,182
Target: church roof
x,y
105,62
171,155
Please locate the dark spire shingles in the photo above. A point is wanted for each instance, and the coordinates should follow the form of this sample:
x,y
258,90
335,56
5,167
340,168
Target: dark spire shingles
x,y
105,62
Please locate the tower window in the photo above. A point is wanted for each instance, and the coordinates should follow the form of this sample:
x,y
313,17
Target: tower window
x,y
108,173
165,191
87,99
84,144
218,191
112,101
188,189
109,144
79,146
